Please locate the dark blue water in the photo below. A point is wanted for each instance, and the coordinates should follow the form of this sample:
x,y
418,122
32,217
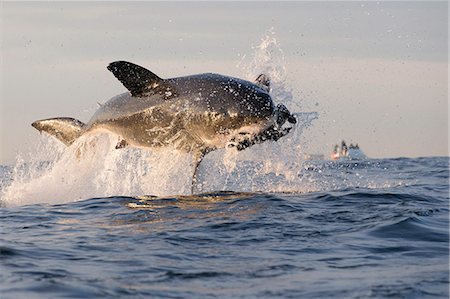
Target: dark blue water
x,y
348,240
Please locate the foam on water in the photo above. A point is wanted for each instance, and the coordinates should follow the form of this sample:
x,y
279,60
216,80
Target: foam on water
x,y
92,167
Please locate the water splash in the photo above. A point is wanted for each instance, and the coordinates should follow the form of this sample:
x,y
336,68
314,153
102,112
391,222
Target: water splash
x,y
268,58
92,167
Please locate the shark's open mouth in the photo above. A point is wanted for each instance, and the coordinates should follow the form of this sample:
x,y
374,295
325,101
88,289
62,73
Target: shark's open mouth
x,y
274,132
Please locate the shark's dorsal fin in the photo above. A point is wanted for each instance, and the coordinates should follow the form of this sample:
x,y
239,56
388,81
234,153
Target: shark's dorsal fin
x,y
263,81
135,78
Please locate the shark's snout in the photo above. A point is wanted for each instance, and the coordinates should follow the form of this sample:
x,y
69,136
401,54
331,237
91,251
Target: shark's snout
x,y
292,119
282,114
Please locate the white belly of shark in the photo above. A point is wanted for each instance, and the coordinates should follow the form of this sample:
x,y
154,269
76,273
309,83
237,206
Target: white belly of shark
x,y
195,114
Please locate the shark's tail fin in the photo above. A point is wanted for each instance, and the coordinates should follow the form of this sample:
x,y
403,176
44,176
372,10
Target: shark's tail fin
x,y
65,129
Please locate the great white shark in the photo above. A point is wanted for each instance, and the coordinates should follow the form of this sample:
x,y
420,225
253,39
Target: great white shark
x,y
195,114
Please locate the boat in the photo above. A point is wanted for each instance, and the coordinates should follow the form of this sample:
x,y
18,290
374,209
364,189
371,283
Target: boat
x,y
344,152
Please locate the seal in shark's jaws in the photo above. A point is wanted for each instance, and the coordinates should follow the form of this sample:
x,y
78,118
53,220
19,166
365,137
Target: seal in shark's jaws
x,y
195,114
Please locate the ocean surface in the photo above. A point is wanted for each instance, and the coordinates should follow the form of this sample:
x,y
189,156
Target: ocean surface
x,y
90,221
375,228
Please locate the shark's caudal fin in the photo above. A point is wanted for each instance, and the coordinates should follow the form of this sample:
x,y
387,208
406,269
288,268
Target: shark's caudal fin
x,y
65,129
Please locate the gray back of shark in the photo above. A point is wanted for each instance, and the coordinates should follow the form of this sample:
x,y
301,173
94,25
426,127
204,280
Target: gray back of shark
x,y
195,114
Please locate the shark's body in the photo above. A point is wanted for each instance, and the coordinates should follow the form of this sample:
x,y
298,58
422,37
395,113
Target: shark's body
x,y
195,114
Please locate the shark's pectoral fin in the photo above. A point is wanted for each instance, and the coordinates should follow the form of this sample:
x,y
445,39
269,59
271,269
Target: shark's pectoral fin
x,y
197,159
65,129
135,78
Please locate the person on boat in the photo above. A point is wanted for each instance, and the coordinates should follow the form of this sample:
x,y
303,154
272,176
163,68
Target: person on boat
x,y
336,149
344,148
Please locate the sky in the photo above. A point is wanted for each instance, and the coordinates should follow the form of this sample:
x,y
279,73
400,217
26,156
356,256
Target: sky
x,y
376,72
